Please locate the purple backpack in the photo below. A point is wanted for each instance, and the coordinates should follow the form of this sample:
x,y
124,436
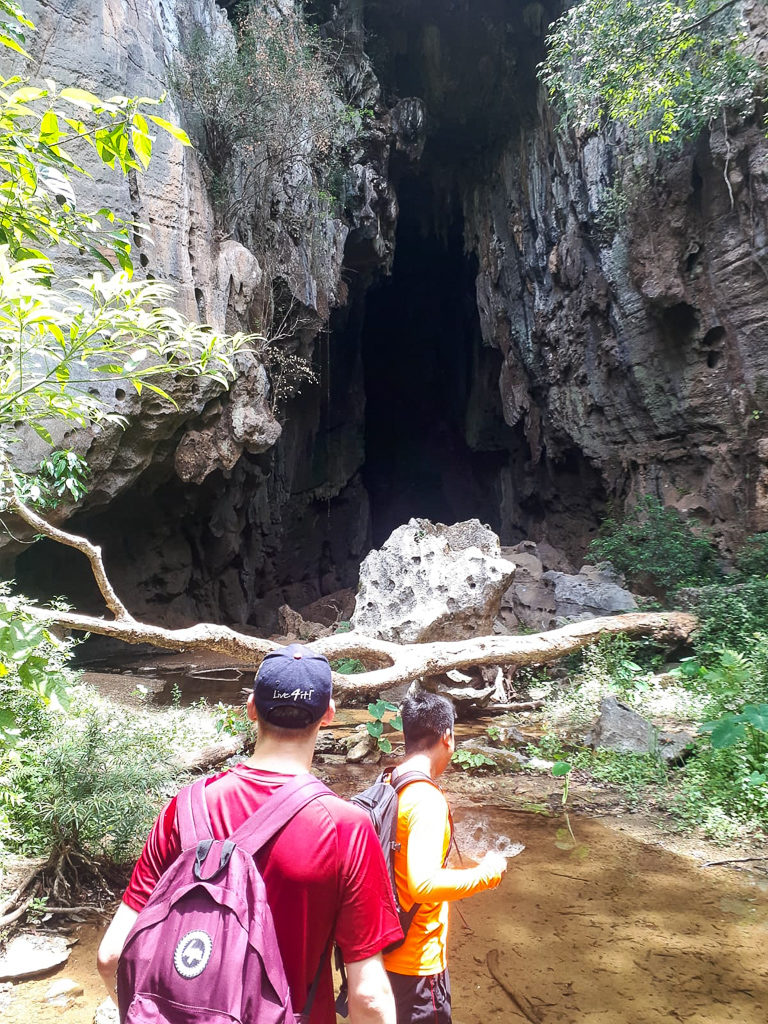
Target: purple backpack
x,y
204,948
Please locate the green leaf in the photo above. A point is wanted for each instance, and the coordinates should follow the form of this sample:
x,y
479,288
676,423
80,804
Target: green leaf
x,y
26,94
375,728
50,133
83,98
384,745
560,768
142,145
40,430
172,129
726,733
10,44
756,715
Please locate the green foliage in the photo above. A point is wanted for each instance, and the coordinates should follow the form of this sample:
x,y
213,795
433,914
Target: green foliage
x,y
662,69
729,680
34,672
92,787
57,347
632,773
62,474
62,344
472,760
347,666
549,747
379,712
44,133
726,783
653,545
731,616
267,96
752,559
231,720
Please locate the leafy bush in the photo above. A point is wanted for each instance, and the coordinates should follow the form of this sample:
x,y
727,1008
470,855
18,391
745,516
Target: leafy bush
x,y
716,791
729,681
752,559
652,545
269,93
34,672
662,69
92,788
472,760
731,616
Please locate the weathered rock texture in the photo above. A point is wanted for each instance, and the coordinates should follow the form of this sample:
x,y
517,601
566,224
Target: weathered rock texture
x,y
432,582
541,597
632,344
591,326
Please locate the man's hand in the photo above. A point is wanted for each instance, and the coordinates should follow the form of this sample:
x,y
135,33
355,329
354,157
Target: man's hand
x,y
494,867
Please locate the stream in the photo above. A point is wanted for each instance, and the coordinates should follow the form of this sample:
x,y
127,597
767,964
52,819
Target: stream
x,y
589,925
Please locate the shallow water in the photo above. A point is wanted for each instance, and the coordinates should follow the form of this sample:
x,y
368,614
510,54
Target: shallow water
x,y
588,925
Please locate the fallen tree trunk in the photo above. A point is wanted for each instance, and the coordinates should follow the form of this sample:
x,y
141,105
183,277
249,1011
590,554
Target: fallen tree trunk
x,y
396,663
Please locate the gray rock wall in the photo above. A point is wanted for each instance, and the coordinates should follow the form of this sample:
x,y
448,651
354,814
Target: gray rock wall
x,y
639,343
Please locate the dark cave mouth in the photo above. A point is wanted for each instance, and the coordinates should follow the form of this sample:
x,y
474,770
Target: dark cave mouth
x,y
434,441
406,422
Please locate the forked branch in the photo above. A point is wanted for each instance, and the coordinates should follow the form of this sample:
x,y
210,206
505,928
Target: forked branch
x,y
14,504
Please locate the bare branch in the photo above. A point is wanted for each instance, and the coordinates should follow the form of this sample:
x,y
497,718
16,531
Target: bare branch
x,y
92,552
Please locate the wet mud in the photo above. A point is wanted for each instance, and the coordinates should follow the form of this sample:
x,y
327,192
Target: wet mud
x,y
589,925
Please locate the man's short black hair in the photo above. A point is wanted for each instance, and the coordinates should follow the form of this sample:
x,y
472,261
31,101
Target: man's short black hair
x,y
425,717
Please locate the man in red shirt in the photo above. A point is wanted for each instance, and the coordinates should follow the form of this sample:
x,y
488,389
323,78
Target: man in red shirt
x,y
324,872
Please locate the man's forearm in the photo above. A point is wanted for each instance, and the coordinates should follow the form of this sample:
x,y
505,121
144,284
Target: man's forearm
x,y
112,946
370,995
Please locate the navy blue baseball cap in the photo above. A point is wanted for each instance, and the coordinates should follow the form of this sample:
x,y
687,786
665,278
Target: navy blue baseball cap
x,y
293,687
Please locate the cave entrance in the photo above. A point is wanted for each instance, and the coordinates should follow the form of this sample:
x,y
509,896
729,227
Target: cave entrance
x,y
422,350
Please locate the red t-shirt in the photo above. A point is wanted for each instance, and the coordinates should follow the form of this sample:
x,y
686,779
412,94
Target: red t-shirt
x,y
324,874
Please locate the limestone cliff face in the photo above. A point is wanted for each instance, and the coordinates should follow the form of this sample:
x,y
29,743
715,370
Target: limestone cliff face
x,y
207,537
637,343
614,344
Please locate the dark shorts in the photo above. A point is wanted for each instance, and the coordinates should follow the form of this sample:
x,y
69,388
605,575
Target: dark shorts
x,y
422,1000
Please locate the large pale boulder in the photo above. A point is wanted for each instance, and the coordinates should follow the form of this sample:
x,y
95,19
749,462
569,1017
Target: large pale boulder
x,y
432,582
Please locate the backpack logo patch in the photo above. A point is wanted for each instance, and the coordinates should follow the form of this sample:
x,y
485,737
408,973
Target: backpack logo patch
x,y
192,954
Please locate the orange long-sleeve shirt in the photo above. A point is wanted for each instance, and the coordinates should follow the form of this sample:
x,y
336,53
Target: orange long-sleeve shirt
x,y
424,834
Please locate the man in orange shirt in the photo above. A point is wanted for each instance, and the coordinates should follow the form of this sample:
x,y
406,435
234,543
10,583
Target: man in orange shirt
x,y
417,969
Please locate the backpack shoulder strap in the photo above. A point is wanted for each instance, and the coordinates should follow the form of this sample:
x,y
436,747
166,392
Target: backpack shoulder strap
x,y
192,815
399,782
278,810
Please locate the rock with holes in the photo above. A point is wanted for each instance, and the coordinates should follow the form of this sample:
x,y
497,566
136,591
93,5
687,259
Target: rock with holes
x,y
432,582
106,1013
